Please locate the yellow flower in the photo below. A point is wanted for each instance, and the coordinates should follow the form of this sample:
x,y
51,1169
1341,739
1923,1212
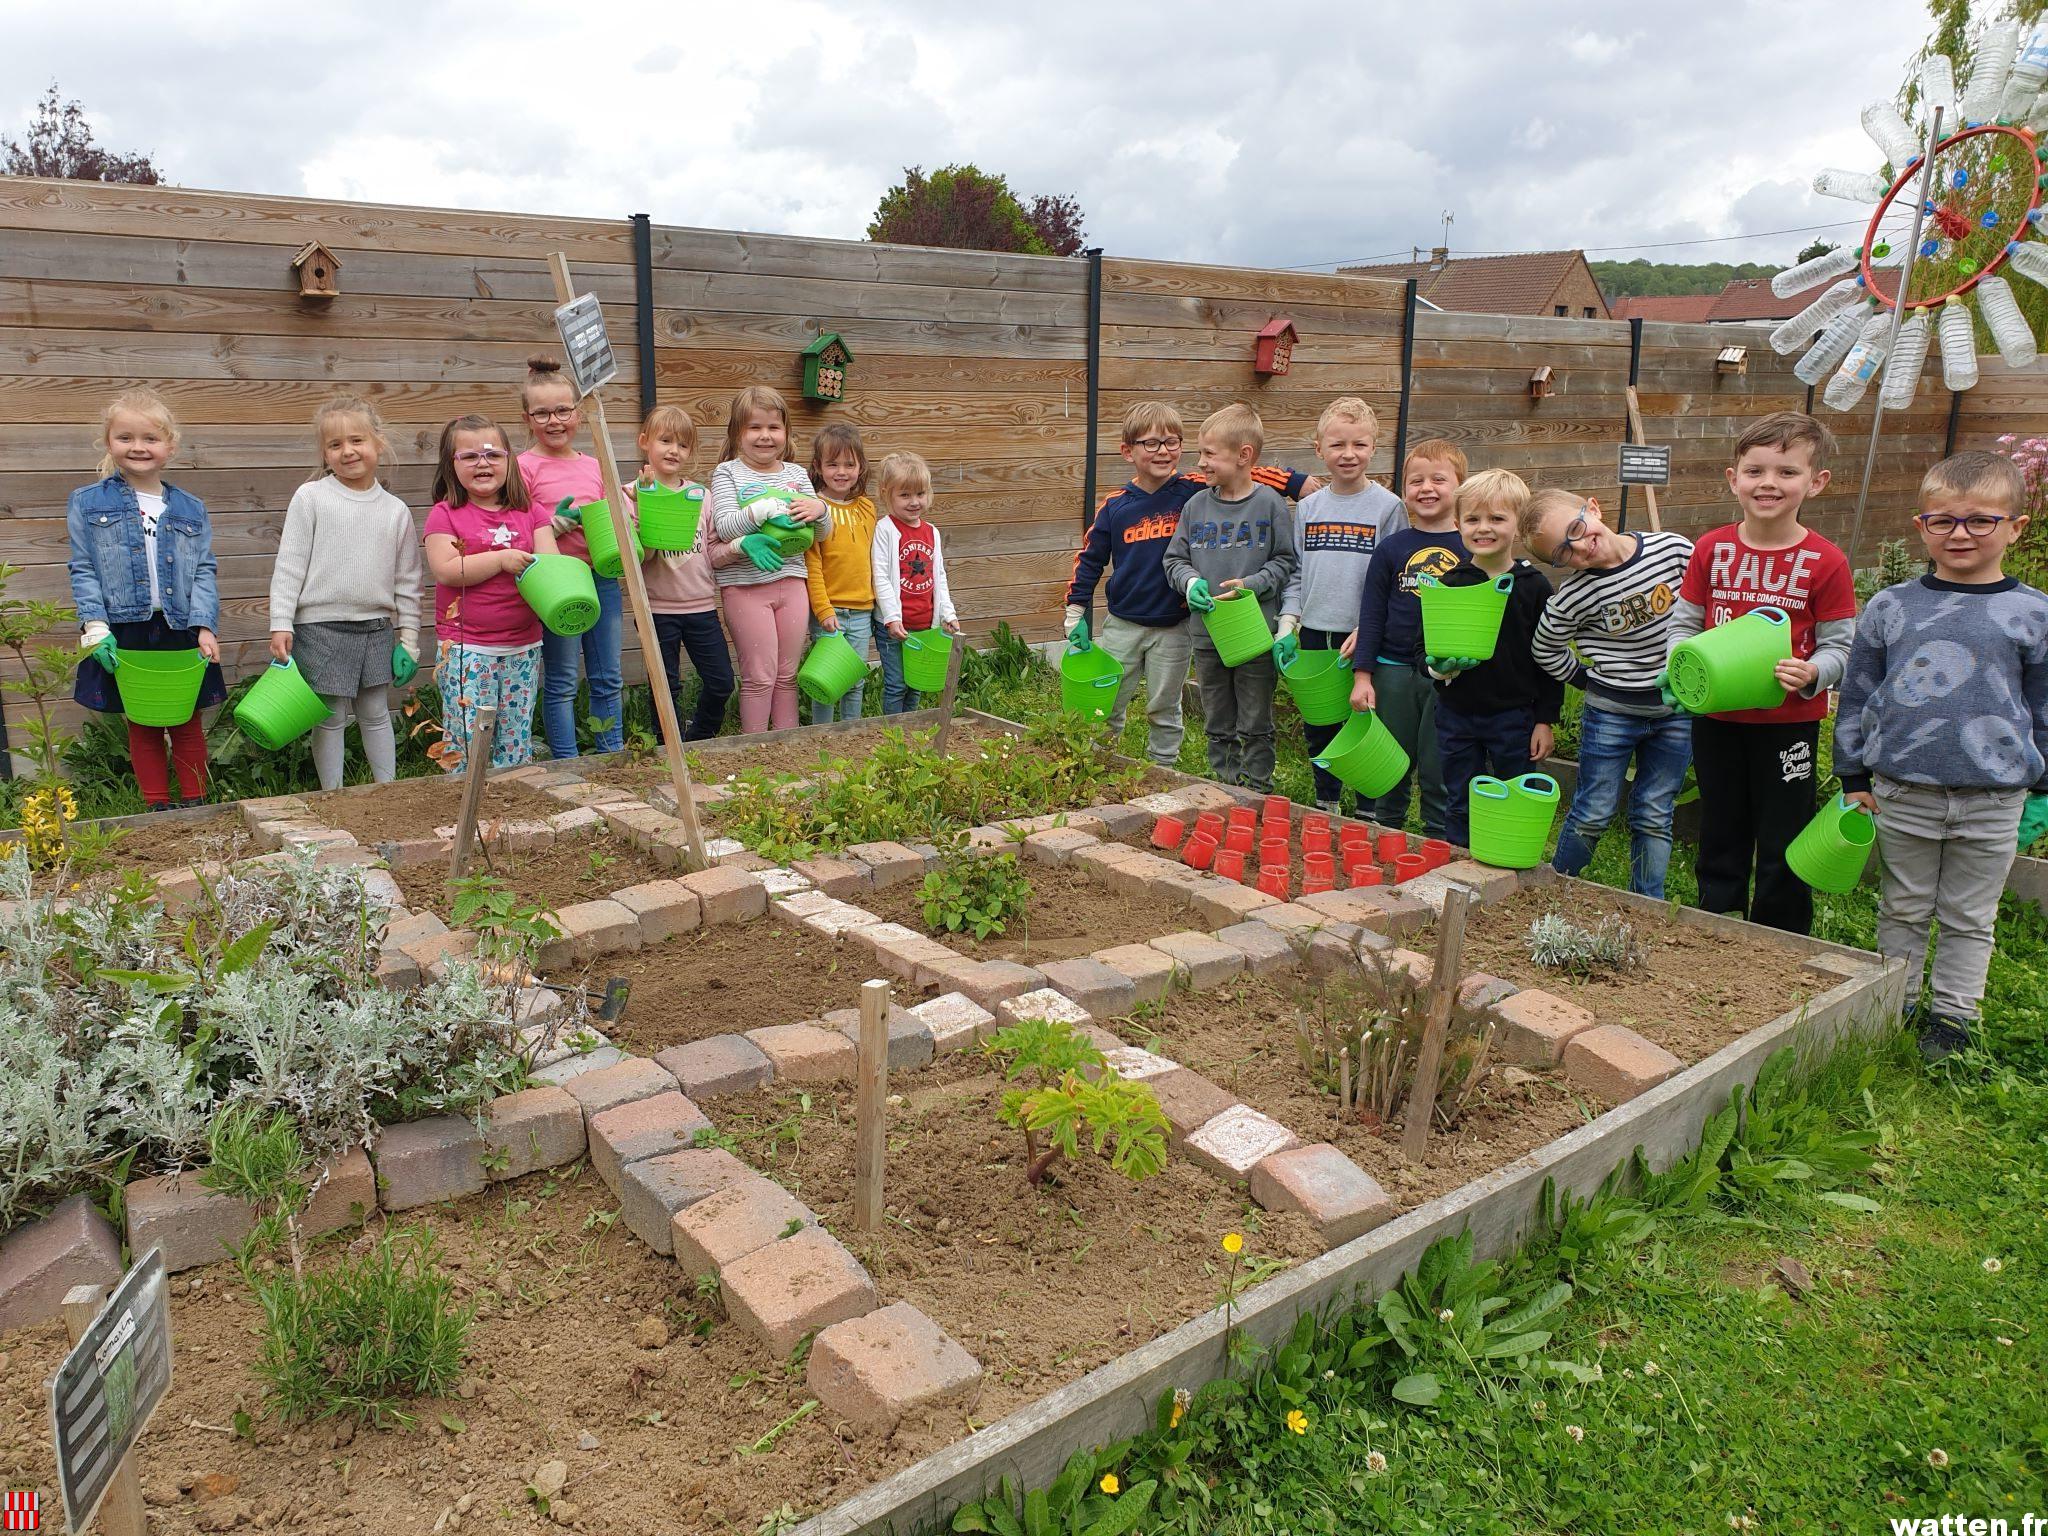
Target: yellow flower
x,y
1182,1398
1297,1421
1109,1483
1233,1243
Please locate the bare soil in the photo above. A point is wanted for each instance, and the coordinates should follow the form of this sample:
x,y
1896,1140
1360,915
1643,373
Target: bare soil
x,y
414,807
590,866
1069,914
148,846
800,755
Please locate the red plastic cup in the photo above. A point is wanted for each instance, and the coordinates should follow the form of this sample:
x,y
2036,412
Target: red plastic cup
x,y
1210,824
1273,880
1239,840
1319,873
1315,821
1315,839
1437,851
1200,851
1167,832
1278,806
1273,853
1350,858
1392,845
1351,835
1408,866
1363,874
1244,816
1230,863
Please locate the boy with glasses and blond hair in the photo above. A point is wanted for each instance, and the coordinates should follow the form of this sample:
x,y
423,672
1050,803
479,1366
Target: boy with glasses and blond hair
x,y
1941,733
1146,627
1603,631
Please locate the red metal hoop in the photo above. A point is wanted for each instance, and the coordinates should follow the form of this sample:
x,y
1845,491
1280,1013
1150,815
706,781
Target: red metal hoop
x,y
1908,183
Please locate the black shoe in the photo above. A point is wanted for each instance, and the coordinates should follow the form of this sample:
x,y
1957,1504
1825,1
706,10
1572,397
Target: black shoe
x,y
1942,1037
151,807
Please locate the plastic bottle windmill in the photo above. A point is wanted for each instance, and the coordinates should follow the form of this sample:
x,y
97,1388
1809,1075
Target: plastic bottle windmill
x,y
1951,230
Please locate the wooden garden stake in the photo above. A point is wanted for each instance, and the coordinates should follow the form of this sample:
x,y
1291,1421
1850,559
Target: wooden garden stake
x,y
1343,1082
482,739
946,699
871,1105
1443,992
636,594
1635,428
121,1510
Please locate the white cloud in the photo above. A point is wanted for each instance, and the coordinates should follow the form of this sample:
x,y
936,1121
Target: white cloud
x,y
1592,48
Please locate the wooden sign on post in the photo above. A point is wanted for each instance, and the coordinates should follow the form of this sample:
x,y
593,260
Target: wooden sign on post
x,y
1642,463
104,1393
951,694
482,738
596,358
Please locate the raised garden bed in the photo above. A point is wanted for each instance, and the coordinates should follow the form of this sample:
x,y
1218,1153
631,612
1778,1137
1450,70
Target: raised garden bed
x,y
1070,913
729,979
586,867
413,808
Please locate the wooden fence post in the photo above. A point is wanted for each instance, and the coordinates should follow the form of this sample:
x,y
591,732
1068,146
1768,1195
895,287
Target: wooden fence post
x,y
871,1105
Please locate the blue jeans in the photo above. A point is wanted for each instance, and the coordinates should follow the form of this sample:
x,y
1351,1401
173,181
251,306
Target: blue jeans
x,y
1469,745
702,638
1661,750
857,625
598,647
897,697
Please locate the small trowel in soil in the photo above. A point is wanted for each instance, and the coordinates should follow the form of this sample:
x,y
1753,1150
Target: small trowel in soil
x,y
610,1005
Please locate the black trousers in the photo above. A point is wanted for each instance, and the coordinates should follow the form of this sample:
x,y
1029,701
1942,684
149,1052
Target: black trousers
x,y
1756,792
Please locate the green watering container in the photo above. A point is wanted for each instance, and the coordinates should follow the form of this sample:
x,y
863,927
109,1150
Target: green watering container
x,y
1463,619
832,667
1089,679
1321,684
159,687
281,708
1831,850
669,519
1511,820
604,544
790,536
1364,756
1238,629
925,653
1730,666
561,590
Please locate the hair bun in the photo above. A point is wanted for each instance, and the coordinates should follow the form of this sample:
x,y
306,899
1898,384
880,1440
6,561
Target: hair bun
x,y
540,362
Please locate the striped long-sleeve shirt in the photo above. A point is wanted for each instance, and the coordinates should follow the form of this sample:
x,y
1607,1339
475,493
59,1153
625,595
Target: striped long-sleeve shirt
x,y
1604,630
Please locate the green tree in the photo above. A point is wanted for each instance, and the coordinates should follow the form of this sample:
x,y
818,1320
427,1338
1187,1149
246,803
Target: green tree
x,y
60,144
966,208
1818,248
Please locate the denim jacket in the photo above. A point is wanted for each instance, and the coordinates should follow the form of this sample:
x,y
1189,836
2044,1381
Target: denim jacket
x,y
110,582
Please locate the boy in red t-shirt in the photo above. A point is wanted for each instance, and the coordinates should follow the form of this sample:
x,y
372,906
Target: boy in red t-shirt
x,y
1756,766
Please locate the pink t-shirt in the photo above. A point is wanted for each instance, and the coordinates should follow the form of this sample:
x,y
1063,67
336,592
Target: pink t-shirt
x,y
549,479
492,612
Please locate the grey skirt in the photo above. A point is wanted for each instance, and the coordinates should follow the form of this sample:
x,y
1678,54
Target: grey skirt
x,y
341,658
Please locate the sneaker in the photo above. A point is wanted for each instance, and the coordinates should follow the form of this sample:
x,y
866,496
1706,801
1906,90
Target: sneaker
x,y
151,807
1942,1037
1331,807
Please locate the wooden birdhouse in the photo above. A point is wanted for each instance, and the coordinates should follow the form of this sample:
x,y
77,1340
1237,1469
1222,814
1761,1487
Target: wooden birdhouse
x,y
825,364
317,266
1732,360
1541,382
1274,352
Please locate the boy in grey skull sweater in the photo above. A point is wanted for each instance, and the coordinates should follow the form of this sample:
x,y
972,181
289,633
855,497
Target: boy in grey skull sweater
x,y
1942,735
1234,537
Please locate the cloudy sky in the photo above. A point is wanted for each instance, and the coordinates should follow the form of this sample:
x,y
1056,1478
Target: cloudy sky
x,y
1269,133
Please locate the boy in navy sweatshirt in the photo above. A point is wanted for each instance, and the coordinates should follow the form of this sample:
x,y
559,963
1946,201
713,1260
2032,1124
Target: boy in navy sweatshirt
x,y
1147,624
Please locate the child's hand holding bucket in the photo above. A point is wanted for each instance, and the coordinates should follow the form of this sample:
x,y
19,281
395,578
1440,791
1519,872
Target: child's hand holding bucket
x,y
1542,742
209,645
1362,696
1795,676
1862,799
280,644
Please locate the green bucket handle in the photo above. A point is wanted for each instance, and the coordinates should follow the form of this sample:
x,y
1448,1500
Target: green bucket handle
x,y
1832,850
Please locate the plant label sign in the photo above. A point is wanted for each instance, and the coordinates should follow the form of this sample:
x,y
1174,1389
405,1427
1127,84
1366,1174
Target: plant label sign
x,y
1643,464
581,324
104,1393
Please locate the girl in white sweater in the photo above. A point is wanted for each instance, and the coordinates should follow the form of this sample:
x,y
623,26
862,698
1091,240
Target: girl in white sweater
x,y
345,592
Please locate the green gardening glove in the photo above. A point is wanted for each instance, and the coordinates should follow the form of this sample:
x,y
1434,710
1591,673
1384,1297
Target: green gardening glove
x,y
1077,637
762,549
2033,821
1198,596
1285,649
107,654
1450,666
1670,699
403,668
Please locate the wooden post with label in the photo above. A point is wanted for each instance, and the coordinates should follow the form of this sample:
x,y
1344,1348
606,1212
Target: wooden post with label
x,y
636,593
1443,996
483,737
871,1105
1635,430
121,1511
951,694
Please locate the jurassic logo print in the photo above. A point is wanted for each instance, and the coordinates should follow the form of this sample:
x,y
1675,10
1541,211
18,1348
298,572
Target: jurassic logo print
x,y
1429,564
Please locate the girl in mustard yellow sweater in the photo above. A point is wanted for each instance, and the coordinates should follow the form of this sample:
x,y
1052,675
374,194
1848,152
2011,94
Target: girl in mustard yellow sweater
x,y
837,570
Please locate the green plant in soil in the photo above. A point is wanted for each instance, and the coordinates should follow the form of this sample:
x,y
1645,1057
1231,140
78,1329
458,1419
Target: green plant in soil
x,y
40,674
1358,1039
1559,944
509,932
977,893
1119,1120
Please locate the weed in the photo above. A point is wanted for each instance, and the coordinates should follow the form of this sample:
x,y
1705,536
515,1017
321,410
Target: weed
x,y
1558,944
974,892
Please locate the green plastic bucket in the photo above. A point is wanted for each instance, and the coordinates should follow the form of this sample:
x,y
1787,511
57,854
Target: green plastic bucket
x,y
561,590
1511,820
604,544
792,538
1463,619
1730,666
1238,629
1831,850
669,519
281,708
159,687
1364,756
1089,679
832,667
1321,684
925,653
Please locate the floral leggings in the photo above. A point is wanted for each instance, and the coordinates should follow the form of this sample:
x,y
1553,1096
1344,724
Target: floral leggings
x,y
471,679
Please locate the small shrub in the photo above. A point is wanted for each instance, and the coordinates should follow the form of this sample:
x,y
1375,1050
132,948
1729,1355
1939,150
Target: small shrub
x,y
509,933
1359,1041
1121,1120
1558,944
977,893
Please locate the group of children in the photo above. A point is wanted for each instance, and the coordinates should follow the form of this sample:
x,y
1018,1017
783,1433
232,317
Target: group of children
x,y
350,573
1942,721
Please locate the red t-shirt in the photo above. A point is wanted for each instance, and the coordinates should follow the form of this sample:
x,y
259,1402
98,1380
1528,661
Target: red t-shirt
x,y
916,571
1810,583
492,612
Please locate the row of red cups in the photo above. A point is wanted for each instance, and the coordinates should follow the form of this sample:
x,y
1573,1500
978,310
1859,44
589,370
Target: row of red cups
x,y
1225,846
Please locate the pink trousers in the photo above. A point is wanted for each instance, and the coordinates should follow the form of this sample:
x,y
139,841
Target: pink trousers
x,y
768,623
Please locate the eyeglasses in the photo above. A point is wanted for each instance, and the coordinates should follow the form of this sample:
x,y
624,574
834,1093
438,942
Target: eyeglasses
x,y
480,456
555,413
1574,531
1155,444
1977,525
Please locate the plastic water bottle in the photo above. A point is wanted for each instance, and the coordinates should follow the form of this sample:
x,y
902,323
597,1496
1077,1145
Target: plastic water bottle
x,y
2029,74
1902,369
2036,115
2028,258
1793,334
1836,338
1898,144
1958,347
1853,186
1811,274
2009,327
1988,72
1853,374
1938,89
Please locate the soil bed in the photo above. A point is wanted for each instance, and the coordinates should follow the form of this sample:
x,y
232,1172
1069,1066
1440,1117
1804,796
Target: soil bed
x,y
799,755
731,978
149,846
414,807
586,868
1040,1285
1069,914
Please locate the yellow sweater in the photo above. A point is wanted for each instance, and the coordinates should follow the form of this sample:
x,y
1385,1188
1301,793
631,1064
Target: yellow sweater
x,y
837,570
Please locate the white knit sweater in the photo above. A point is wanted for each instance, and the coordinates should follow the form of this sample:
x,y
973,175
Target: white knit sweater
x,y
347,555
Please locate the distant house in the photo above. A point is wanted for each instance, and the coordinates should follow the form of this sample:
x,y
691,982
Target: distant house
x,y
1534,283
1685,308
1744,301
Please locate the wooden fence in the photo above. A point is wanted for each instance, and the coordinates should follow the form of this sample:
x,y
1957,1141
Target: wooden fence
x,y
980,362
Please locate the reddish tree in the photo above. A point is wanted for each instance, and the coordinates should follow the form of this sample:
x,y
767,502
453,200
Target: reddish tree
x,y
60,144
965,208
1058,222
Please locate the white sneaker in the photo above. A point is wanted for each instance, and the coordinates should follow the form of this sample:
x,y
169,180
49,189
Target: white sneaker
x,y
1332,807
